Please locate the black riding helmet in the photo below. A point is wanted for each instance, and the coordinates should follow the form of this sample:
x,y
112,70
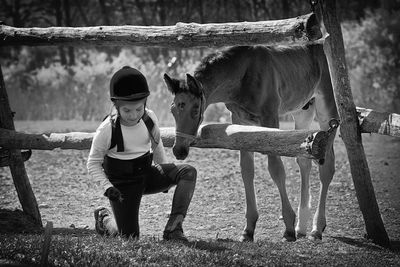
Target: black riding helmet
x,y
128,84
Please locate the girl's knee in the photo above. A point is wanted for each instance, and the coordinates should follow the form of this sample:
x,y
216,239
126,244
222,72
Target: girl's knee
x,y
189,173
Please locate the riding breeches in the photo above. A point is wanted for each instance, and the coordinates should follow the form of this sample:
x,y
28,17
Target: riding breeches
x,y
138,177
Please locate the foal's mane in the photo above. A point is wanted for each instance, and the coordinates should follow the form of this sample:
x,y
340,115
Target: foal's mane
x,y
218,58
286,60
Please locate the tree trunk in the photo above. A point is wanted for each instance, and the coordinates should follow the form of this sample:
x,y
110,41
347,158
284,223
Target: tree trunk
x,y
349,129
188,10
57,7
104,13
68,23
201,11
124,12
16,15
82,13
162,12
238,10
285,8
140,7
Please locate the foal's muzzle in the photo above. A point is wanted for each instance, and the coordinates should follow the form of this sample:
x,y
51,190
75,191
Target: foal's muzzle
x,y
182,144
180,152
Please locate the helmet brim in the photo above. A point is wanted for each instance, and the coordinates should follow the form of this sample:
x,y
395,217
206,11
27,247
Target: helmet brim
x,y
133,97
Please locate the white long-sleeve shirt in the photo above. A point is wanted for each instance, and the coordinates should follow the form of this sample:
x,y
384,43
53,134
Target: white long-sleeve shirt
x,y
136,143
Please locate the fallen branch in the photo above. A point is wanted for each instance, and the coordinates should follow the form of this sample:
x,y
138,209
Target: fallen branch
x,y
301,29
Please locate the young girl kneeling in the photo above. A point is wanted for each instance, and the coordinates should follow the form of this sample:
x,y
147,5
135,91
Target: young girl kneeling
x,y
122,156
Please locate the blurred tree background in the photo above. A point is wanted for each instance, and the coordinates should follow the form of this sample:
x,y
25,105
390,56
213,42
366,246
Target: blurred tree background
x,y
72,83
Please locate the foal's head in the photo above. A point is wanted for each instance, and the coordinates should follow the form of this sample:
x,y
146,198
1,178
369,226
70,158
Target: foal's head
x,y
187,108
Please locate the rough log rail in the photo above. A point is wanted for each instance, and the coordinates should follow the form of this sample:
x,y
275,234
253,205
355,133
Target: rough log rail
x,y
385,123
228,136
301,30
306,143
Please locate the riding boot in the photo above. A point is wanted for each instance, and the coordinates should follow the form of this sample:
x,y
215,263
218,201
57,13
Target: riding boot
x,y
186,182
173,229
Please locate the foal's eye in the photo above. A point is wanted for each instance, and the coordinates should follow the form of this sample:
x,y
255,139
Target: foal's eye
x,y
195,111
181,105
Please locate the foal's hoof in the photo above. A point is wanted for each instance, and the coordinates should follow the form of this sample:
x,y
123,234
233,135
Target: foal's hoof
x,y
289,236
300,235
315,236
247,236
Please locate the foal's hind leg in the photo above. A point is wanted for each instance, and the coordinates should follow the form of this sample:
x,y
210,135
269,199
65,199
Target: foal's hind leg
x,y
326,110
303,120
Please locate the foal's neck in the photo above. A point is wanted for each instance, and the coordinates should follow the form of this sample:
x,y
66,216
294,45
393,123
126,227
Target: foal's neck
x,y
220,75
214,89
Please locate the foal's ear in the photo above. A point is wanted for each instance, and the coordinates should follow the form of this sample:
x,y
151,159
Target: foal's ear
x,y
193,84
172,84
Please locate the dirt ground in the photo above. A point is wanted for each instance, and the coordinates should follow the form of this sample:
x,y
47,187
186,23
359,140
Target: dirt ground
x,y
67,196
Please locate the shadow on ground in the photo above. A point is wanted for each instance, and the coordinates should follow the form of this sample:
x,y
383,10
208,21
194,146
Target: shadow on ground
x,y
365,243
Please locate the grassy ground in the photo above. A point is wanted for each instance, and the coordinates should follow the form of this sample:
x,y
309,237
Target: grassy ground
x,y
67,197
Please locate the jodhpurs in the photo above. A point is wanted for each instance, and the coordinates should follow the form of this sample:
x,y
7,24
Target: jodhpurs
x,y
138,177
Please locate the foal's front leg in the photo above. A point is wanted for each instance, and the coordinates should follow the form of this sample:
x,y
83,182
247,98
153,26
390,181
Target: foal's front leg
x,y
247,168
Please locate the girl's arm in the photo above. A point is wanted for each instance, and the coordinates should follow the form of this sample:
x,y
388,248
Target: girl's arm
x,y
100,144
159,155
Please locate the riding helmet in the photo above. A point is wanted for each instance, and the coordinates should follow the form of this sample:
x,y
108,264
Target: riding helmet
x,y
128,84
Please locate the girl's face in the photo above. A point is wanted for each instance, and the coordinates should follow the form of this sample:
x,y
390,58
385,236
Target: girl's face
x,y
131,111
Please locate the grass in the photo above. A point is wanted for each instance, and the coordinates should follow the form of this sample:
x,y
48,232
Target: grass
x,y
93,250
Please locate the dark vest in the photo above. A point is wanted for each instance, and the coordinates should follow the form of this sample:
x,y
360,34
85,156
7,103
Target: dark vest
x,y
116,132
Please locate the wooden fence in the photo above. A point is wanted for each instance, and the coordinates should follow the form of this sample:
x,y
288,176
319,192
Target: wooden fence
x,y
322,24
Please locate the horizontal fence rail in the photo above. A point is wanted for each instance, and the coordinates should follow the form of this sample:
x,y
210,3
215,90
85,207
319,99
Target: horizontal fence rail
x,y
300,30
292,143
385,123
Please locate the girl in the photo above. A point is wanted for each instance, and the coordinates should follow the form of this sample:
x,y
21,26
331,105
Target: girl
x,y
122,154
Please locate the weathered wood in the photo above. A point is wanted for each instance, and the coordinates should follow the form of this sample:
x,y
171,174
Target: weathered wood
x,y
385,123
350,129
16,163
5,160
301,29
291,143
44,261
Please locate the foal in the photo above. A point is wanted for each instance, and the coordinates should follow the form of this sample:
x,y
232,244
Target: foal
x,y
257,84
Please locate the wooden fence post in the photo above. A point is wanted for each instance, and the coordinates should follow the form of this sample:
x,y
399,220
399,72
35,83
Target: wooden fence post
x,y
349,127
16,163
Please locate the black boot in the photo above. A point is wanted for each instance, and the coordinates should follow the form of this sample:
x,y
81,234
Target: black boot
x,y
173,230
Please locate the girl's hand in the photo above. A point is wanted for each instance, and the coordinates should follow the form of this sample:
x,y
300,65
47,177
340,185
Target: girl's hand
x,y
113,194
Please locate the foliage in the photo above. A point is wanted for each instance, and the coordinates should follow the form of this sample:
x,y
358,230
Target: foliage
x,y
79,91
373,57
